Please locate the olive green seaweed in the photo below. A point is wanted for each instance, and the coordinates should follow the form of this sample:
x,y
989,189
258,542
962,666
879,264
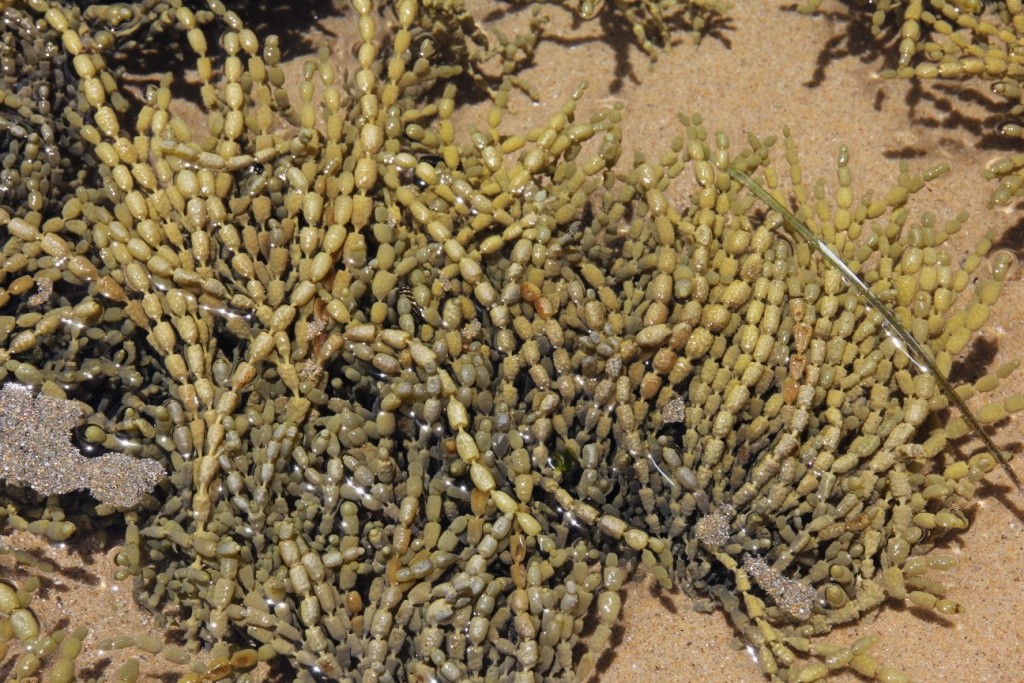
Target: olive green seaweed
x,y
958,40
428,395
911,346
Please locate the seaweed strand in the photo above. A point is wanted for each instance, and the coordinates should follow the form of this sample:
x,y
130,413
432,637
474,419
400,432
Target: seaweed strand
x,y
911,346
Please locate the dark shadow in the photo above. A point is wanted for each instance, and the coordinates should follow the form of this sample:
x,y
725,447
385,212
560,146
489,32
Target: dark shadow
x,y
617,33
100,667
77,574
1006,495
972,364
955,90
610,650
880,97
853,38
613,33
290,21
662,596
62,623
147,46
1012,239
954,541
930,616
280,671
906,153
939,105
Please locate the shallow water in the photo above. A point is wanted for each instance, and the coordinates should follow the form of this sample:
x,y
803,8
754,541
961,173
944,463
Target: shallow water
x,y
765,67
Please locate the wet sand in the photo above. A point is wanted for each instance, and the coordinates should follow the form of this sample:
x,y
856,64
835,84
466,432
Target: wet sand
x,y
765,67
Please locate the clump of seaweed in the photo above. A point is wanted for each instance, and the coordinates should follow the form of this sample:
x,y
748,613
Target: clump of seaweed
x,y
909,343
418,392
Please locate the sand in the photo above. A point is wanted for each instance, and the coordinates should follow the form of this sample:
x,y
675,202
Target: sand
x,y
762,68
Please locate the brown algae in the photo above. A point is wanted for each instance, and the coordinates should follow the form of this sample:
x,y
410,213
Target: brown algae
x,y
426,402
